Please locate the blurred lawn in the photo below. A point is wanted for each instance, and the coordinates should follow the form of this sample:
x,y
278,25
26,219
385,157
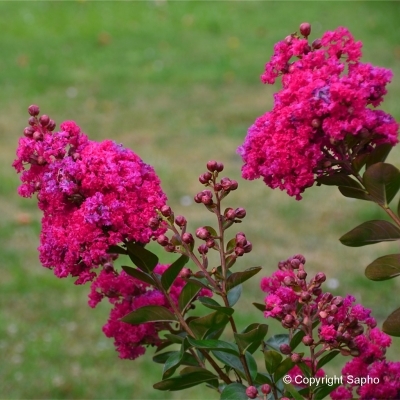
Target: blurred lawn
x,y
179,84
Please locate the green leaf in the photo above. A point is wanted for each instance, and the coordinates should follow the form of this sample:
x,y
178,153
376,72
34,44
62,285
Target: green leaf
x,y
199,282
234,295
234,391
339,179
305,369
250,341
138,274
263,378
354,193
216,320
272,360
379,154
211,231
323,390
284,367
149,314
383,268
371,232
175,338
171,364
277,340
188,293
382,182
234,362
239,277
326,358
391,326
296,339
211,303
212,344
293,391
231,245
172,272
259,306
141,257
116,250
189,377
252,365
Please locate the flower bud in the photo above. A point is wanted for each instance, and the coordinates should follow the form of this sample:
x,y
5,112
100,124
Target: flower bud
x,y
206,200
154,223
320,277
180,220
316,44
202,233
166,211
305,297
28,131
316,123
212,166
226,184
302,274
307,340
32,121
210,243
248,247
44,120
251,392
202,249
185,273
205,178
234,185
163,240
37,135
230,214
51,125
240,213
239,251
288,280
296,357
265,389
33,110
288,39
198,197
219,167
305,29
187,238
241,240
170,248
337,301
285,349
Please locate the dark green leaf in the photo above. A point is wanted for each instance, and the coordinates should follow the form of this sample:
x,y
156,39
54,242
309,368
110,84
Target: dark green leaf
x,y
382,182
272,360
171,364
234,295
187,295
354,193
293,391
189,377
296,339
379,154
277,340
231,245
323,390
326,358
252,365
212,231
139,274
230,260
371,232
391,326
250,341
234,391
199,282
305,369
116,250
141,257
211,303
212,344
175,338
284,367
339,179
259,306
383,268
216,320
239,277
262,378
359,161
234,362
172,272
149,314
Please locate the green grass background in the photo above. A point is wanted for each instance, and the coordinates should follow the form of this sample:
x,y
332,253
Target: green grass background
x,y
178,82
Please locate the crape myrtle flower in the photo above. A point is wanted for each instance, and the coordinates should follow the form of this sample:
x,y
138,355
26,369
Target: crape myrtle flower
x,y
326,97
92,194
127,294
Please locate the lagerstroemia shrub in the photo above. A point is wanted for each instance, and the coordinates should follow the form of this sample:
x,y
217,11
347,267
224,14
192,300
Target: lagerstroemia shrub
x,y
100,201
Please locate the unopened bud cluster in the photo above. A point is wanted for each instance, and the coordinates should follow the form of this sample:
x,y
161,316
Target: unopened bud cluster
x,y
299,303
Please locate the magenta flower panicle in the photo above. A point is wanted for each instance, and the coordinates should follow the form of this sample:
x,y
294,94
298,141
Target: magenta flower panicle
x,y
327,97
93,195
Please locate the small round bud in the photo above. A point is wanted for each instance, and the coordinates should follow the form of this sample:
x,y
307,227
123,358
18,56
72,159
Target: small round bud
x,y
241,240
37,135
265,389
248,247
212,165
300,257
185,273
217,187
33,110
288,320
198,197
108,268
206,200
41,160
163,240
239,251
170,248
285,349
234,185
32,121
305,297
226,184
316,44
51,125
288,280
202,249
202,233
307,340
154,223
240,213
187,238
251,392
295,263
305,29
44,120
180,220
317,291
205,178
302,274
230,214
166,211
316,123
28,131
296,357
288,39
320,277
219,167
210,243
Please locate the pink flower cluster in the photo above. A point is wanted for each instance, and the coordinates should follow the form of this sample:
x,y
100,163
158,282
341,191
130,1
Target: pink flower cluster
x,y
325,100
342,325
127,294
93,195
